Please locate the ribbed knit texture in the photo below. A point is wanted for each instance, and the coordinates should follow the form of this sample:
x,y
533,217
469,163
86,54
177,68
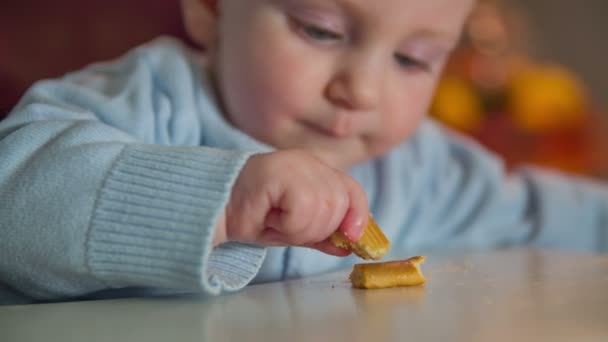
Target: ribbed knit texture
x,y
151,223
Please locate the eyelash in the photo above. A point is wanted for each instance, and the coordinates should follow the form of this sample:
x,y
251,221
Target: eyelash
x,y
325,36
407,62
319,34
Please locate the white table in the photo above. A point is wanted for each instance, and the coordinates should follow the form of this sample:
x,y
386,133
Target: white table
x,y
513,295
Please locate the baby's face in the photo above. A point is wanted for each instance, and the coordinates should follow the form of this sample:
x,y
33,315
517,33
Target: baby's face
x,y
347,79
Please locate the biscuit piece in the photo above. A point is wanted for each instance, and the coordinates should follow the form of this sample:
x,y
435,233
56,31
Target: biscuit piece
x,y
372,245
388,274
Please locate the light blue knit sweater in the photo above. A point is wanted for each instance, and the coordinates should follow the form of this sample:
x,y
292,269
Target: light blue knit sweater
x,y
111,180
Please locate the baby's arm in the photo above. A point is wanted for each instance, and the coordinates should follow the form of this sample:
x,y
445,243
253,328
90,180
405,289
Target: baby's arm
x,y
90,199
460,195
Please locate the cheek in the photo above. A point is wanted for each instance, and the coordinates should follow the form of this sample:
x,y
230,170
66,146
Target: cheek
x,y
247,84
403,113
271,82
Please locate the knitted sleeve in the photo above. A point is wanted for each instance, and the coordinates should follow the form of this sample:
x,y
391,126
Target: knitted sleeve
x,y
456,194
103,184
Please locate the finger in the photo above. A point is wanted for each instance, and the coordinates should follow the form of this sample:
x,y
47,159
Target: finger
x,y
271,237
340,202
357,215
290,227
327,247
331,209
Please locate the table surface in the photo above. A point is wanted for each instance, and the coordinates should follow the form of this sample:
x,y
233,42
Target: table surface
x,y
511,295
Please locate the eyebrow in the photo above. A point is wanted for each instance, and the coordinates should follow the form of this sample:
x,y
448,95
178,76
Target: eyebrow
x,y
449,39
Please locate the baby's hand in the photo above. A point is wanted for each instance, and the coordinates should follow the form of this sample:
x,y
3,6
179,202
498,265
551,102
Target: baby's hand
x,y
292,198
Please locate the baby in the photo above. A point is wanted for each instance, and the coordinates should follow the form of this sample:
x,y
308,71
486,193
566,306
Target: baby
x,y
168,171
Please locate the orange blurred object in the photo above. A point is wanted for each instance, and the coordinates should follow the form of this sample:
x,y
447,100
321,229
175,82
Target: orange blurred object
x,y
529,112
457,104
545,98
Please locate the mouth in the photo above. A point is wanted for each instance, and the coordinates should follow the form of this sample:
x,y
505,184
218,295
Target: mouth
x,y
334,132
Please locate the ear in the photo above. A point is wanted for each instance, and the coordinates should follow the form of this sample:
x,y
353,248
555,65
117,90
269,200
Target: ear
x,y
200,21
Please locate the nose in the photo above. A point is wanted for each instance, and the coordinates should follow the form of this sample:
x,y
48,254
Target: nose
x,y
355,86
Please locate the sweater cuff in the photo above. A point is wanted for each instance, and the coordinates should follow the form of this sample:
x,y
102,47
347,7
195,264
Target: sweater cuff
x,y
154,220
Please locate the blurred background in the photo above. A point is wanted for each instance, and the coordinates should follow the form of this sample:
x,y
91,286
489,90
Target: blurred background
x,y
529,80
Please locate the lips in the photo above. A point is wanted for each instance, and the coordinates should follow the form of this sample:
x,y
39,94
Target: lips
x,y
321,130
339,126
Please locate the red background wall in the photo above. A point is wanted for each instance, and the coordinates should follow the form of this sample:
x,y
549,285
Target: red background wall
x,y
41,39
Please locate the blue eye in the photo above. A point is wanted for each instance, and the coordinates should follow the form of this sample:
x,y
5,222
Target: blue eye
x,y
320,34
407,62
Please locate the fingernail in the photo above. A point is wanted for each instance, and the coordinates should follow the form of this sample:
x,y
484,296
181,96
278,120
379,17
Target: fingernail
x,y
359,230
353,231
